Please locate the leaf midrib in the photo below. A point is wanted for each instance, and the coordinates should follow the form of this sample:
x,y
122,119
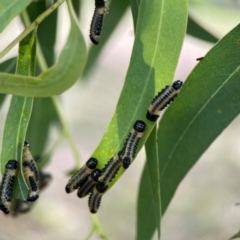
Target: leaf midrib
x,y
148,78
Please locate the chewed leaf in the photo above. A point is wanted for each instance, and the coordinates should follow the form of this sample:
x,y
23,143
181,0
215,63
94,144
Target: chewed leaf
x,y
207,104
151,68
56,79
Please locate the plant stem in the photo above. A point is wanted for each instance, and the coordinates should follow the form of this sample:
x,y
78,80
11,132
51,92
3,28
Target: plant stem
x,y
66,131
31,27
98,227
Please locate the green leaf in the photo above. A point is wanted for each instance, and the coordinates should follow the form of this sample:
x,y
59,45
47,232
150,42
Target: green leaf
x,y
76,5
151,68
134,7
56,79
9,10
47,28
7,66
149,202
237,235
18,116
43,113
197,31
208,102
117,10
212,16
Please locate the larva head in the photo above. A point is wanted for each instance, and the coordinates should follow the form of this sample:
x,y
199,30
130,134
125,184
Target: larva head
x,y
11,164
92,163
177,84
99,3
26,144
95,175
101,187
139,126
126,162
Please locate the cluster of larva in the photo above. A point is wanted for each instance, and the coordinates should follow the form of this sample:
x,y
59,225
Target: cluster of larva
x,y
34,179
89,180
97,20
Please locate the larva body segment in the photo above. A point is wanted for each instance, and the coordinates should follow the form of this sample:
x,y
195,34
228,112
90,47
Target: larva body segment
x,y
130,146
110,170
79,177
97,21
6,187
30,172
22,206
95,198
163,98
88,185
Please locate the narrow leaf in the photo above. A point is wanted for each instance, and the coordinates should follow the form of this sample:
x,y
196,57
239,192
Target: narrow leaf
x,y
10,9
208,102
237,235
149,202
151,68
18,116
56,79
197,31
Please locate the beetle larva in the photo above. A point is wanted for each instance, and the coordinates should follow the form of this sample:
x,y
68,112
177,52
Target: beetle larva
x,y
130,146
95,198
165,97
97,21
6,188
88,185
22,206
110,170
30,172
79,177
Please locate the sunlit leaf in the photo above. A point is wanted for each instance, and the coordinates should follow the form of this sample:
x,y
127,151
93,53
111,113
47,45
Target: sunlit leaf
x,y
151,68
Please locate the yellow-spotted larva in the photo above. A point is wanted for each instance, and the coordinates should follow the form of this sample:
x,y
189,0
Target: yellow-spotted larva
x,y
130,146
95,198
110,170
30,172
165,97
86,187
6,188
79,177
97,21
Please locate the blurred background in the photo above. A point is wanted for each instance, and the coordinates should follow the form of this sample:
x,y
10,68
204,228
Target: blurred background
x,y
204,206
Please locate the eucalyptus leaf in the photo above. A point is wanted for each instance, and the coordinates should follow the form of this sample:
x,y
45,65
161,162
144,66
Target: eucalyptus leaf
x,y
208,102
151,68
56,79
43,113
18,117
197,31
149,200
9,10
